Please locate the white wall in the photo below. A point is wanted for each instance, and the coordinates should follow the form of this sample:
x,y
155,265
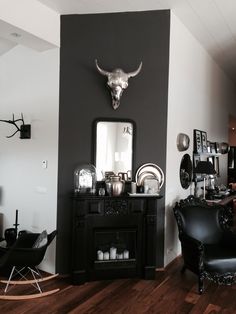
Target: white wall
x,y
200,97
33,17
29,83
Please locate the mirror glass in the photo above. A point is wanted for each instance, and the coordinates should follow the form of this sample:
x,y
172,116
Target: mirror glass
x,y
185,172
114,148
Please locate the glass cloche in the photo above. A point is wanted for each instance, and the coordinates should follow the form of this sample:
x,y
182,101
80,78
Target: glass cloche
x,y
85,179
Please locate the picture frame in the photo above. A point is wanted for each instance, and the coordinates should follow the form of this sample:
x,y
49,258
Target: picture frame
x,y
208,147
196,177
197,139
196,159
213,147
204,141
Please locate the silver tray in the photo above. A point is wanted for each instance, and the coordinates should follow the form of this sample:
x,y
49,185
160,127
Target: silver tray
x,y
151,171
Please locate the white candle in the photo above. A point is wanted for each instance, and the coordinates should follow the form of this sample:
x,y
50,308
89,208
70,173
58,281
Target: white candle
x,y
113,252
100,255
106,256
126,254
119,256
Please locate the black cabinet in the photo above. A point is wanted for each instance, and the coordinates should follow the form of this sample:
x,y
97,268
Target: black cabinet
x,y
113,237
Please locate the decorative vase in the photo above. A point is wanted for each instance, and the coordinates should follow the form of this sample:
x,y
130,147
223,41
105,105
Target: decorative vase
x,y
114,186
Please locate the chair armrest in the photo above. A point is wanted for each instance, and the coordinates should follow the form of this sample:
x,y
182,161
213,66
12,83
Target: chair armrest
x,y
193,243
192,252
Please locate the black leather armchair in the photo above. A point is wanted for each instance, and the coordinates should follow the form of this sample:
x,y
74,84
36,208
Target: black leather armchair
x,y
208,245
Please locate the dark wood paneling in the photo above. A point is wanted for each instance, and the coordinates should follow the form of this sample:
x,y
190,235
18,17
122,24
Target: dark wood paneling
x,y
116,40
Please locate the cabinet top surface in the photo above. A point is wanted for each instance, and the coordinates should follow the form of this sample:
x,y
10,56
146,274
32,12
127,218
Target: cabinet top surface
x,y
125,196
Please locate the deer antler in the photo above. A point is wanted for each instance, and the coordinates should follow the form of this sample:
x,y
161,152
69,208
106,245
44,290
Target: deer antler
x,y
13,121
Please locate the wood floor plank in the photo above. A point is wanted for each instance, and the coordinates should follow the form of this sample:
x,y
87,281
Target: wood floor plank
x,y
212,308
170,293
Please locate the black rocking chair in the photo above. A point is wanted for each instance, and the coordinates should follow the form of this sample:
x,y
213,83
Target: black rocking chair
x,y
23,258
208,245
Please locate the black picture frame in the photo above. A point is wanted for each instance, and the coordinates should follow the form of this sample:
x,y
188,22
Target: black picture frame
x,y
197,139
196,159
213,147
204,141
197,177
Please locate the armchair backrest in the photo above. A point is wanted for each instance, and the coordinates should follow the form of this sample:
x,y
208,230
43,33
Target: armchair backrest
x,y
203,222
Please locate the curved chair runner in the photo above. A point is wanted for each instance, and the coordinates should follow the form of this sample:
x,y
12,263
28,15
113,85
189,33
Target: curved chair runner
x,y
24,257
208,245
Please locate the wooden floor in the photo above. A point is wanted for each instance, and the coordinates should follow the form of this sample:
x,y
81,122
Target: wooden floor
x,y
171,292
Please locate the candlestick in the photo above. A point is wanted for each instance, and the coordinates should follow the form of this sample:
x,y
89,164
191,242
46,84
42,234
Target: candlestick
x,y
16,221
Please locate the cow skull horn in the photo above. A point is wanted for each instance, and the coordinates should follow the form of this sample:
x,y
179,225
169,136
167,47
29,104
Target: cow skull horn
x,y
134,73
100,70
117,81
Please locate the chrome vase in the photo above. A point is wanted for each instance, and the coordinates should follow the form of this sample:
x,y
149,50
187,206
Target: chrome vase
x,y
114,186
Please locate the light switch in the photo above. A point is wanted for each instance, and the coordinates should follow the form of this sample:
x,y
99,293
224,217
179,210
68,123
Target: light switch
x,y
44,164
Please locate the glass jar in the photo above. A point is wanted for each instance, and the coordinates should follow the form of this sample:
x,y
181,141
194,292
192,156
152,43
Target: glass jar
x,y
151,185
85,179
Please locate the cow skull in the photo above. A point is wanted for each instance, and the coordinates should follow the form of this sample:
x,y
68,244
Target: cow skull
x,y
117,81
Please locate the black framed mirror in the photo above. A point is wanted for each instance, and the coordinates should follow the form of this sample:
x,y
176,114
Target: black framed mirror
x,y
114,147
186,171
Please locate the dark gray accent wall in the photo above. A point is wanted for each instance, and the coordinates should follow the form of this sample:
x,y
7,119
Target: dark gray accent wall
x,y
115,40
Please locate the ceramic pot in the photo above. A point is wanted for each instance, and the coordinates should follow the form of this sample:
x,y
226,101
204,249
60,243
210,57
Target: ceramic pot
x,y
114,186
123,176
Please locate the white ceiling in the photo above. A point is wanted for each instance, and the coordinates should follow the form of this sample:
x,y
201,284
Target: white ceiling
x,y
212,22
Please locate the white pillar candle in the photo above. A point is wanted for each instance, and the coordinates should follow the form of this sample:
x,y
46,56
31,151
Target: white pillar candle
x,y
100,255
113,252
119,256
106,256
126,254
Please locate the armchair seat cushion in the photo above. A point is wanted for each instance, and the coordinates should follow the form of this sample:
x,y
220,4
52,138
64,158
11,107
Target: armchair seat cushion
x,y
219,259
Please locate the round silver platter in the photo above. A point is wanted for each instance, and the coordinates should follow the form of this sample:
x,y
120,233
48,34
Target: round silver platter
x,y
149,170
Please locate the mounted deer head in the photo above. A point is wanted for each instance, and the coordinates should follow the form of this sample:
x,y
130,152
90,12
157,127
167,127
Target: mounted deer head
x,y
117,81
24,129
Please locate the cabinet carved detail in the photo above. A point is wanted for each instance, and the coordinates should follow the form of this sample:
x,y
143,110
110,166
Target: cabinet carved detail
x,y
116,207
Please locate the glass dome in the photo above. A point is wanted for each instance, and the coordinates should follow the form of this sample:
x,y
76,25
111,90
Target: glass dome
x,y
85,179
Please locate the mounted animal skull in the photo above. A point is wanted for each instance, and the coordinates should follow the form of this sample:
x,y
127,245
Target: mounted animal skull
x,y
117,81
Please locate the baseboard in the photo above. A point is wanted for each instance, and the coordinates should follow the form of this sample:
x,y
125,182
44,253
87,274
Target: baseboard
x,y
168,265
